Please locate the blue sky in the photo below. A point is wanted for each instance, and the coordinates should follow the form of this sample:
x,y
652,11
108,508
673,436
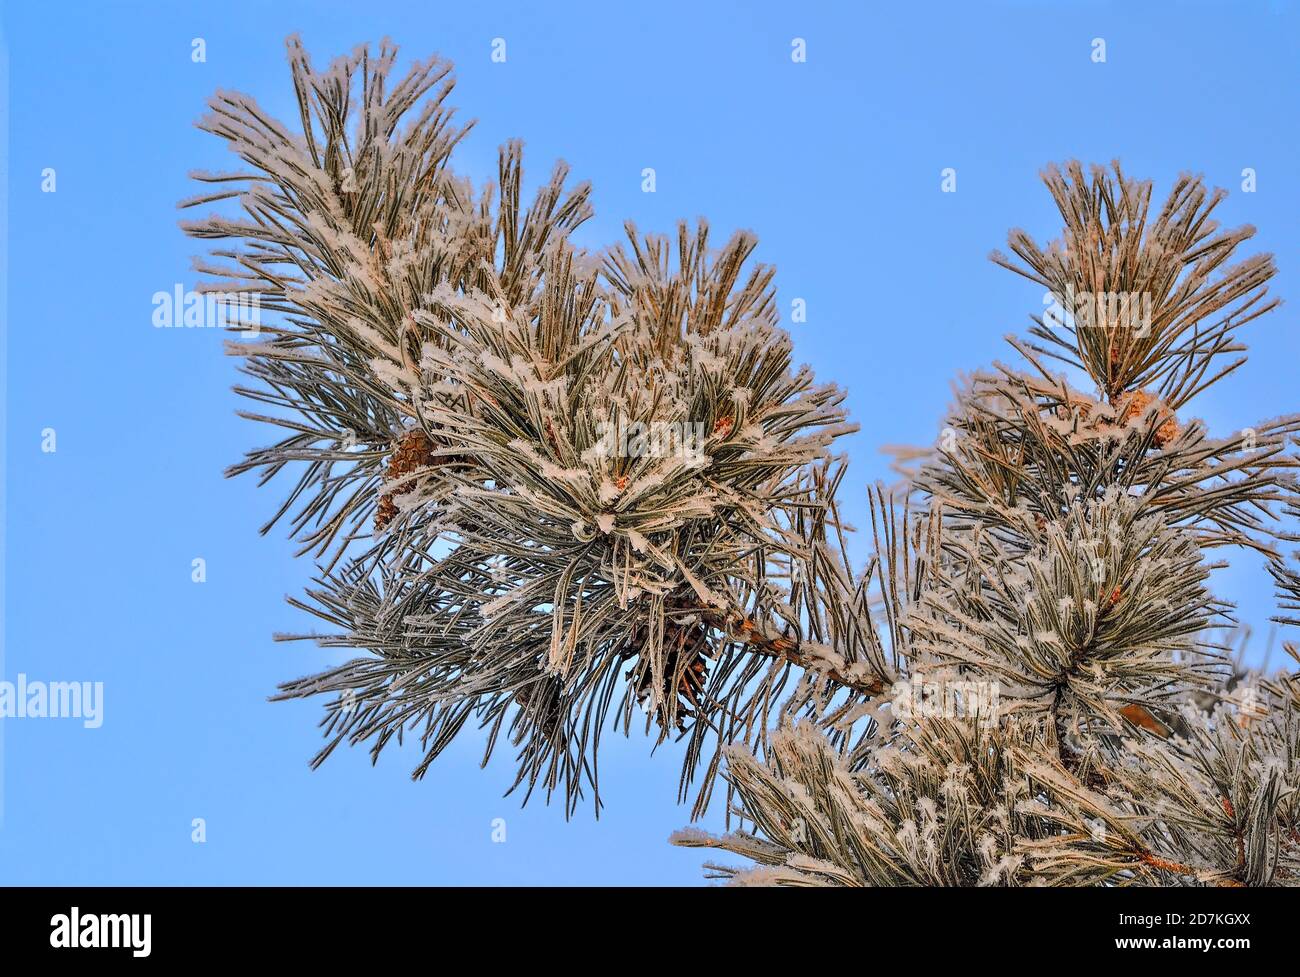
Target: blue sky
x,y
835,163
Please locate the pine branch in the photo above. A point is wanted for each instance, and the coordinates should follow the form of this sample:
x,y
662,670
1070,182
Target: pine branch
x,y
1068,573
453,382
813,658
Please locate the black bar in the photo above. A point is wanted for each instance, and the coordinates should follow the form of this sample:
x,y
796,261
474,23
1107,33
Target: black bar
x,y
336,926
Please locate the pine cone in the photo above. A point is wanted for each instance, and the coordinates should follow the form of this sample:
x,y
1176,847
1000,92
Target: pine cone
x,y
1133,405
411,452
688,642
543,698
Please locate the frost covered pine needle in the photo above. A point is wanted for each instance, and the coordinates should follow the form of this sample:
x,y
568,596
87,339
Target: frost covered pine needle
x,y
550,492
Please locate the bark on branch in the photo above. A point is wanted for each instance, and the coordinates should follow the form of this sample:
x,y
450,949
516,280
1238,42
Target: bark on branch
x,y
741,628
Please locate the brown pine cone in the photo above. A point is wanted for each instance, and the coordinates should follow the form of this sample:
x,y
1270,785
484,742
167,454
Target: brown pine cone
x,y
682,642
543,698
1133,405
412,451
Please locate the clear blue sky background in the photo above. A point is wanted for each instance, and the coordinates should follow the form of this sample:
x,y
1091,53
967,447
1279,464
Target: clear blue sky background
x,y
834,163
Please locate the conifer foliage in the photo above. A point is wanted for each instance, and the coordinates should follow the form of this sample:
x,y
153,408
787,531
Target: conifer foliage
x,y
550,492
